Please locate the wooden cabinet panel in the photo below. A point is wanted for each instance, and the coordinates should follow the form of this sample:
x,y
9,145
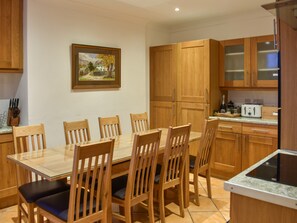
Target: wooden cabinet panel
x,y
226,161
255,148
162,114
8,189
11,40
163,73
194,113
233,127
288,46
193,71
259,130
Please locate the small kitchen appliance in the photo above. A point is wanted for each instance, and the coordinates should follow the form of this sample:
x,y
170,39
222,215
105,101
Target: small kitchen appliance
x,y
251,110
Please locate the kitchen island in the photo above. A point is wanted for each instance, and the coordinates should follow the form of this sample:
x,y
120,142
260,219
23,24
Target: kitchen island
x,y
261,201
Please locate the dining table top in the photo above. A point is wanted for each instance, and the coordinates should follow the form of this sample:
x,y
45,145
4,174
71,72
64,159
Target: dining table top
x,y
56,162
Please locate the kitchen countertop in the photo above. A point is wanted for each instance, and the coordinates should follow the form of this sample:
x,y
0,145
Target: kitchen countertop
x,y
247,120
271,192
5,130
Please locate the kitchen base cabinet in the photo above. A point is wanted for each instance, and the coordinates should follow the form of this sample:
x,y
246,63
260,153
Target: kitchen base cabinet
x,y
240,145
8,188
226,160
245,209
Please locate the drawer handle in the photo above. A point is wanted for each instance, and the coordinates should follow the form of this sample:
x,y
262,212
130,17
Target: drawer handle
x,y
260,130
225,127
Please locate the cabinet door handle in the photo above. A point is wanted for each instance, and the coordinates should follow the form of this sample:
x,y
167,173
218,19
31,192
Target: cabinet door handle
x,y
225,127
260,130
275,45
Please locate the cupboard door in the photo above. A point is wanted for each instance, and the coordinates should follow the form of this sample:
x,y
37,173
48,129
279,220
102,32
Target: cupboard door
x,y
163,73
255,148
234,63
226,161
193,71
264,62
8,189
11,40
162,114
194,113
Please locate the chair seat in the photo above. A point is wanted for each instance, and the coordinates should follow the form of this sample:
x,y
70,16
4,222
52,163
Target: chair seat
x,y
58,204
119,185
192,162
38,189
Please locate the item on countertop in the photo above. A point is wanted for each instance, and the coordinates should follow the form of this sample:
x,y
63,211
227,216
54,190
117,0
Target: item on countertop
x,y
250,110
13,118
223,107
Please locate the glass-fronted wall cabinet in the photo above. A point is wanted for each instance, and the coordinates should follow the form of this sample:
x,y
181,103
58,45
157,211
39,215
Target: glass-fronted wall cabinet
x,y
264,60
248,63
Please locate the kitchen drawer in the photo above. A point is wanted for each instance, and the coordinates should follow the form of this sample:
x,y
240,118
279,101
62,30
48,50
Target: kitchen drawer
x,y
234,127
259,130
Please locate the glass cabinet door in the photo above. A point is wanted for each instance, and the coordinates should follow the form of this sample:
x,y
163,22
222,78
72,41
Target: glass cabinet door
x,y
234,69
265,64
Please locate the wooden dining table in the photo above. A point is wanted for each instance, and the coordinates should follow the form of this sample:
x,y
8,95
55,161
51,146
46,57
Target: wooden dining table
x,y
56,163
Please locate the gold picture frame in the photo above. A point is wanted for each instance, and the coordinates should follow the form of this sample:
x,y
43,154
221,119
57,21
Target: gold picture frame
x,y
95,67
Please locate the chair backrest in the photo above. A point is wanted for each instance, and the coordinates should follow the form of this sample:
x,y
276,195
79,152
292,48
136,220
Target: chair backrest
x,y
176,149
109,126
90,181
143,166
28,139
139,122
77,131
204,153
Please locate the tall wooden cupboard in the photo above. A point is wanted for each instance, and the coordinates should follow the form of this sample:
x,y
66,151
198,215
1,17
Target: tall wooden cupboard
x,y
183,83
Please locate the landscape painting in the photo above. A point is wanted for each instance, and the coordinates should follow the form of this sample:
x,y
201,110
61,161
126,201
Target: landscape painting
x,y
95,67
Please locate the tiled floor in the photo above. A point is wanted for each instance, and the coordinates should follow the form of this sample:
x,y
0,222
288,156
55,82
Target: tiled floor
x,y
215,210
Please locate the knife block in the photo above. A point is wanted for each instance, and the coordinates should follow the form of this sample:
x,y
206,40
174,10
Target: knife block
x,y
12,121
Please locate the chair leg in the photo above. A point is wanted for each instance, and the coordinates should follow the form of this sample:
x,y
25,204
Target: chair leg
x,y
31,213
208,183
19,210
128,217
151,208
196,189
162,206
40,218
181,199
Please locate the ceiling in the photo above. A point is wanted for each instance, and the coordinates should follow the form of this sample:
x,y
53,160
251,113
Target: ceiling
x,y
162,11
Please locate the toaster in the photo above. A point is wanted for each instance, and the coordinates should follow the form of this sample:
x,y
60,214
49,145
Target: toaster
x,y
251,110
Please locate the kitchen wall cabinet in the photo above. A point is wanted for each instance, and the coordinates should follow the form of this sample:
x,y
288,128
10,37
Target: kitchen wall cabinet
x,y
240,145
11,41
184,77
8,188
248,63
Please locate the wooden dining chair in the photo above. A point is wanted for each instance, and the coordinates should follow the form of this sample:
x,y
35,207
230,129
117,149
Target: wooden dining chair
x,y
109,126
171,172
137,186
202,162
88,200
77,131
31,187
139,122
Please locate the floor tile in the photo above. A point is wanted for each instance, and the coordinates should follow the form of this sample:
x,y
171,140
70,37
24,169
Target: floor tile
x,y
208,217
206,204
222,204
226,215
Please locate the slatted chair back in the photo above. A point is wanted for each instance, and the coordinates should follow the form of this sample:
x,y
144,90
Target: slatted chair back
x,y
143,166
139,122
28,139
90,197
77,131
109,126
204,154
174,155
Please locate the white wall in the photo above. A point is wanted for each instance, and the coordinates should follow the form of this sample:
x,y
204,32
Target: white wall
x,y
247,24
51,29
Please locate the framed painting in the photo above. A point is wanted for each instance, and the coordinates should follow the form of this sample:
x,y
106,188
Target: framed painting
x,y
95,67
